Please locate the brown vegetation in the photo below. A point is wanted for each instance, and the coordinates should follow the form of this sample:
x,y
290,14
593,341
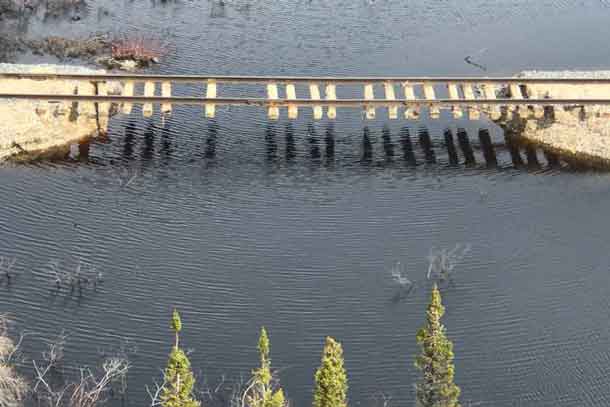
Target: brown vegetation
x,y
137,48
12,387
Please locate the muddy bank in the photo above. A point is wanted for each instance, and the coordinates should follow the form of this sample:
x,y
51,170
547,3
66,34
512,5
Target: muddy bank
x,y
64,48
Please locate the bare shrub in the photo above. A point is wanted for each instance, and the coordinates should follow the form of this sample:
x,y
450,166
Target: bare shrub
x,y
54,355
155,393
52,358
399,275
442,262
6,267
119,383
89,389
224,393
80,277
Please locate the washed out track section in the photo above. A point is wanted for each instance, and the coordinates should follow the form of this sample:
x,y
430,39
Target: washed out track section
x,y
498,97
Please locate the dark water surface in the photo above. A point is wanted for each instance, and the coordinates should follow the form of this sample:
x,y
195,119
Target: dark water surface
x,y
241,223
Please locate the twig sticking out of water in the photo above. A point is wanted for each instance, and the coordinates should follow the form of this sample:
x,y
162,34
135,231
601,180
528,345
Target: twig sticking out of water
x,y
6,268
54,355
125,177
469,61
398,276
82,276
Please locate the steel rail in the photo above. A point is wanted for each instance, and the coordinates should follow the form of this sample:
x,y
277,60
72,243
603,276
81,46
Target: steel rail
x,y
299,102
297,79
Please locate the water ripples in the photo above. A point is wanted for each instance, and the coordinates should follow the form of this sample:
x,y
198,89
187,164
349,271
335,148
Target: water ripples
x,y
241,223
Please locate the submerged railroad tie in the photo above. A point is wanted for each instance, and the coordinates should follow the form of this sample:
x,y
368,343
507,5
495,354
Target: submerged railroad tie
x,y
496,97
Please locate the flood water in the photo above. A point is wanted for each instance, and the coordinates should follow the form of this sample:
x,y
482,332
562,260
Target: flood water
x,y
241,223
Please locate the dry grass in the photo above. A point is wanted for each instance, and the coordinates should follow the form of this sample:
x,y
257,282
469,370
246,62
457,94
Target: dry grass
x,y
12,387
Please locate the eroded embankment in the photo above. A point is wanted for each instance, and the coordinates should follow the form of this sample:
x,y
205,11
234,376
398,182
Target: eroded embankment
x,y
583,132
36,126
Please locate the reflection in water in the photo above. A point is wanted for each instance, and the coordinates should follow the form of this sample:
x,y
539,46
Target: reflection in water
x,y
450,145
148,147
532,157
291,150
330,142
551,158
513,148
314,142
367,146
218,9
211,139
407,147
270,142
549,113
388,147
83,150
466,147
130,133
488,148
426,144
166,142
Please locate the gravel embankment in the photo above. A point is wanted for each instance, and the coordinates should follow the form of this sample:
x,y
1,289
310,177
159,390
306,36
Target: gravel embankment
x,y
565,74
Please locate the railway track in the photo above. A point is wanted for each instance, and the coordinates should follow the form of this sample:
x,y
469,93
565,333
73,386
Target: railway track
x,y
491,95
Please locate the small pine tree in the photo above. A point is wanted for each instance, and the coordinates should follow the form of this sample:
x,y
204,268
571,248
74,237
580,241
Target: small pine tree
x,y
437,388
176,325
331,379
179,379
263,393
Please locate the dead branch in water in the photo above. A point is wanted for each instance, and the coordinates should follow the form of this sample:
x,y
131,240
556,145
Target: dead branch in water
x,y
90,387
6,267
155,395
83,276
224,393
442,262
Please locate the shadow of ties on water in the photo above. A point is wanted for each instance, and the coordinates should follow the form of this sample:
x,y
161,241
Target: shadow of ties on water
x,y
434,147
